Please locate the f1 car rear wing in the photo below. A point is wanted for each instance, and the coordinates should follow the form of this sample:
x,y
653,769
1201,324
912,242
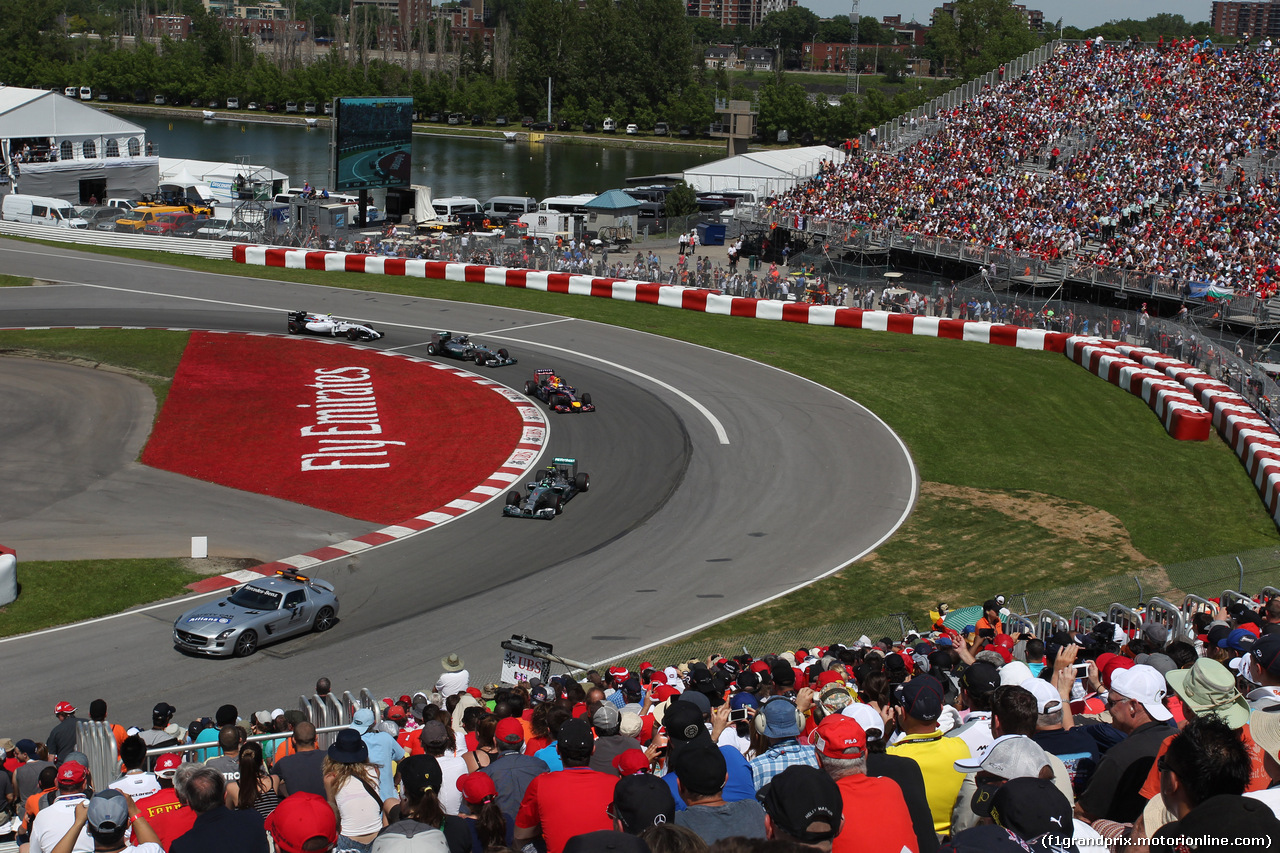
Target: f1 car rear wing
x,y
568,462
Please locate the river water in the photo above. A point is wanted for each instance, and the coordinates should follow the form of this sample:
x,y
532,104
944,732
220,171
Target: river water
x,y
450,165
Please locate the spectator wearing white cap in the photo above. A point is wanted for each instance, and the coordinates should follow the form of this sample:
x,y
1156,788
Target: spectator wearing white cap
x,y
1136,703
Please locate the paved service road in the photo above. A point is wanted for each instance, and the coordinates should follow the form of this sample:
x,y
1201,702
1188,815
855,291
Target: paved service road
x,y
716,482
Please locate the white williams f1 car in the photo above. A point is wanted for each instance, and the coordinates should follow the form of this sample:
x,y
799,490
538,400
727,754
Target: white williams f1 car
x,y
305,323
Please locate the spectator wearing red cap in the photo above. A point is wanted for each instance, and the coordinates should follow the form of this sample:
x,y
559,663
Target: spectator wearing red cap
x,y
917,705
62,739
303,823
511,771
876,819
489,826
53,821
106,817
167,816
557,806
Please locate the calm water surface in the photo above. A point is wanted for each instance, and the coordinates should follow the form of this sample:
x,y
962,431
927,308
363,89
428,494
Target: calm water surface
x,y
449,165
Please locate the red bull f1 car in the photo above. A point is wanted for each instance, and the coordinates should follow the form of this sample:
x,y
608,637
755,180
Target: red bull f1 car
x,y
545,497
557,394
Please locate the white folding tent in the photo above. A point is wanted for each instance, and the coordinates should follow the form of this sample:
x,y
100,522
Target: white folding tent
x,y
765,173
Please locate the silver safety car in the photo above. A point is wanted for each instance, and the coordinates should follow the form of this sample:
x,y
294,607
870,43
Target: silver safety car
x,y
260,612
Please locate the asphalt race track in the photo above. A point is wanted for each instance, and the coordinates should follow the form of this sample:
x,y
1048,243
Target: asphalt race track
x,y
707,496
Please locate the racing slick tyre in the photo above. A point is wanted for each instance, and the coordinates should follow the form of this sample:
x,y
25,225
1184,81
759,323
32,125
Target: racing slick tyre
x,y
353,334
513,498
586,399
247,644
557,400
582,482
324,620
432,349
295,328
559,505
503,354
530,389
479,359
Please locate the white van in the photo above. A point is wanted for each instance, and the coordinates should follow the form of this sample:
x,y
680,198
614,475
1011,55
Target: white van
x,y
70,91
609,126
233,103
566,203
453,205
86,94
40,210
549,224
509,207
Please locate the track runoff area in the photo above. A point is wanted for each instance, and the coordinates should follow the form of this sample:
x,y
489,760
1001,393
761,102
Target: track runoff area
x,y
346,429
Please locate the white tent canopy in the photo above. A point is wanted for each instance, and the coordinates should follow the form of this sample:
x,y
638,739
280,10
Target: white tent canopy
x,y
74,130
765,173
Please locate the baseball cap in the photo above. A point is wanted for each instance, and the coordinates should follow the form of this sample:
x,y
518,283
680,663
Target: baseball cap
x,y
299,818
605,841
1155,632
804,802
980,678
1146,685
27,745
1008,756
434,732
509,733
607,717
1031,808
64,708
868,718
642,801
1265,653
71,773
921,697
632,724
421,773
630,762
395,712
838,736
163,711
575,738
663,692
108,812
683,721
167,765
477,787
698,699
1048,699
700,767
1238,640
1014,673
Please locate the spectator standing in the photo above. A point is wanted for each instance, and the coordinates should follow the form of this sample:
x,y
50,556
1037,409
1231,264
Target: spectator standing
x,y
700,771
802,805
52,822
136,781
159,736
874,811
167,816
304,769
351,783
511,771
383,750
917,707
569,802
226,715
216,828
98,713
62,738
454,679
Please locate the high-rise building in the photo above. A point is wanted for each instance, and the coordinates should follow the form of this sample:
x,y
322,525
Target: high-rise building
x,y
1233,18
732,13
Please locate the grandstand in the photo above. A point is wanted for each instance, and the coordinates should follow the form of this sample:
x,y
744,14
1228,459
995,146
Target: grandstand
x,y
1162,188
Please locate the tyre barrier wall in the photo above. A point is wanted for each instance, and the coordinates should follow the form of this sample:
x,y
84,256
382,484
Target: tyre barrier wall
x,y
692,299
1175,406
1254,441
8,575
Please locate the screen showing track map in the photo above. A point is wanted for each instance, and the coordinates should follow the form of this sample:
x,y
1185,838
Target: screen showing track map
x,y
373,140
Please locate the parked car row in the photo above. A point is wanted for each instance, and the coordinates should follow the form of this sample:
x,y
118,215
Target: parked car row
x,y
609,125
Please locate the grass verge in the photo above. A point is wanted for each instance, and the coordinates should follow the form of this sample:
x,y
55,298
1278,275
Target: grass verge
x,y
101,587
1035,474
15,281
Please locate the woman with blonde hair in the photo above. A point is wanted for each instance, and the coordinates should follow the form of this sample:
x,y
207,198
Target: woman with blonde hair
x,y
351,784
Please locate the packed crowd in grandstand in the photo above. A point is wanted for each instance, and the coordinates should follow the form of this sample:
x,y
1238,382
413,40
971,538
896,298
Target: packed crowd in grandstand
x,y
1147,175
981,737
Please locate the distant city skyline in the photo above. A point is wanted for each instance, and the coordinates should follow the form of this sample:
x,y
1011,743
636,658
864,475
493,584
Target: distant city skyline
x,y
1074,13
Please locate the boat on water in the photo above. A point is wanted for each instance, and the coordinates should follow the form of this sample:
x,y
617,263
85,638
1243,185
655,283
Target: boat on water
x,y
510,135
208,113
311,122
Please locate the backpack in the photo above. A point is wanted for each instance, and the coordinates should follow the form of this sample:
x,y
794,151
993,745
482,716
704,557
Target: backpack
x,y
410,836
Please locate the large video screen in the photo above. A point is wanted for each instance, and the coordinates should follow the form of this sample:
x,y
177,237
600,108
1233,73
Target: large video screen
x,y
373,142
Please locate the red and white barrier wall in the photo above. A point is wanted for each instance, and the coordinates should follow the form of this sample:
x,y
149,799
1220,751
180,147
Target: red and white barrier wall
x,y
1247,433
1179,411
690,299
